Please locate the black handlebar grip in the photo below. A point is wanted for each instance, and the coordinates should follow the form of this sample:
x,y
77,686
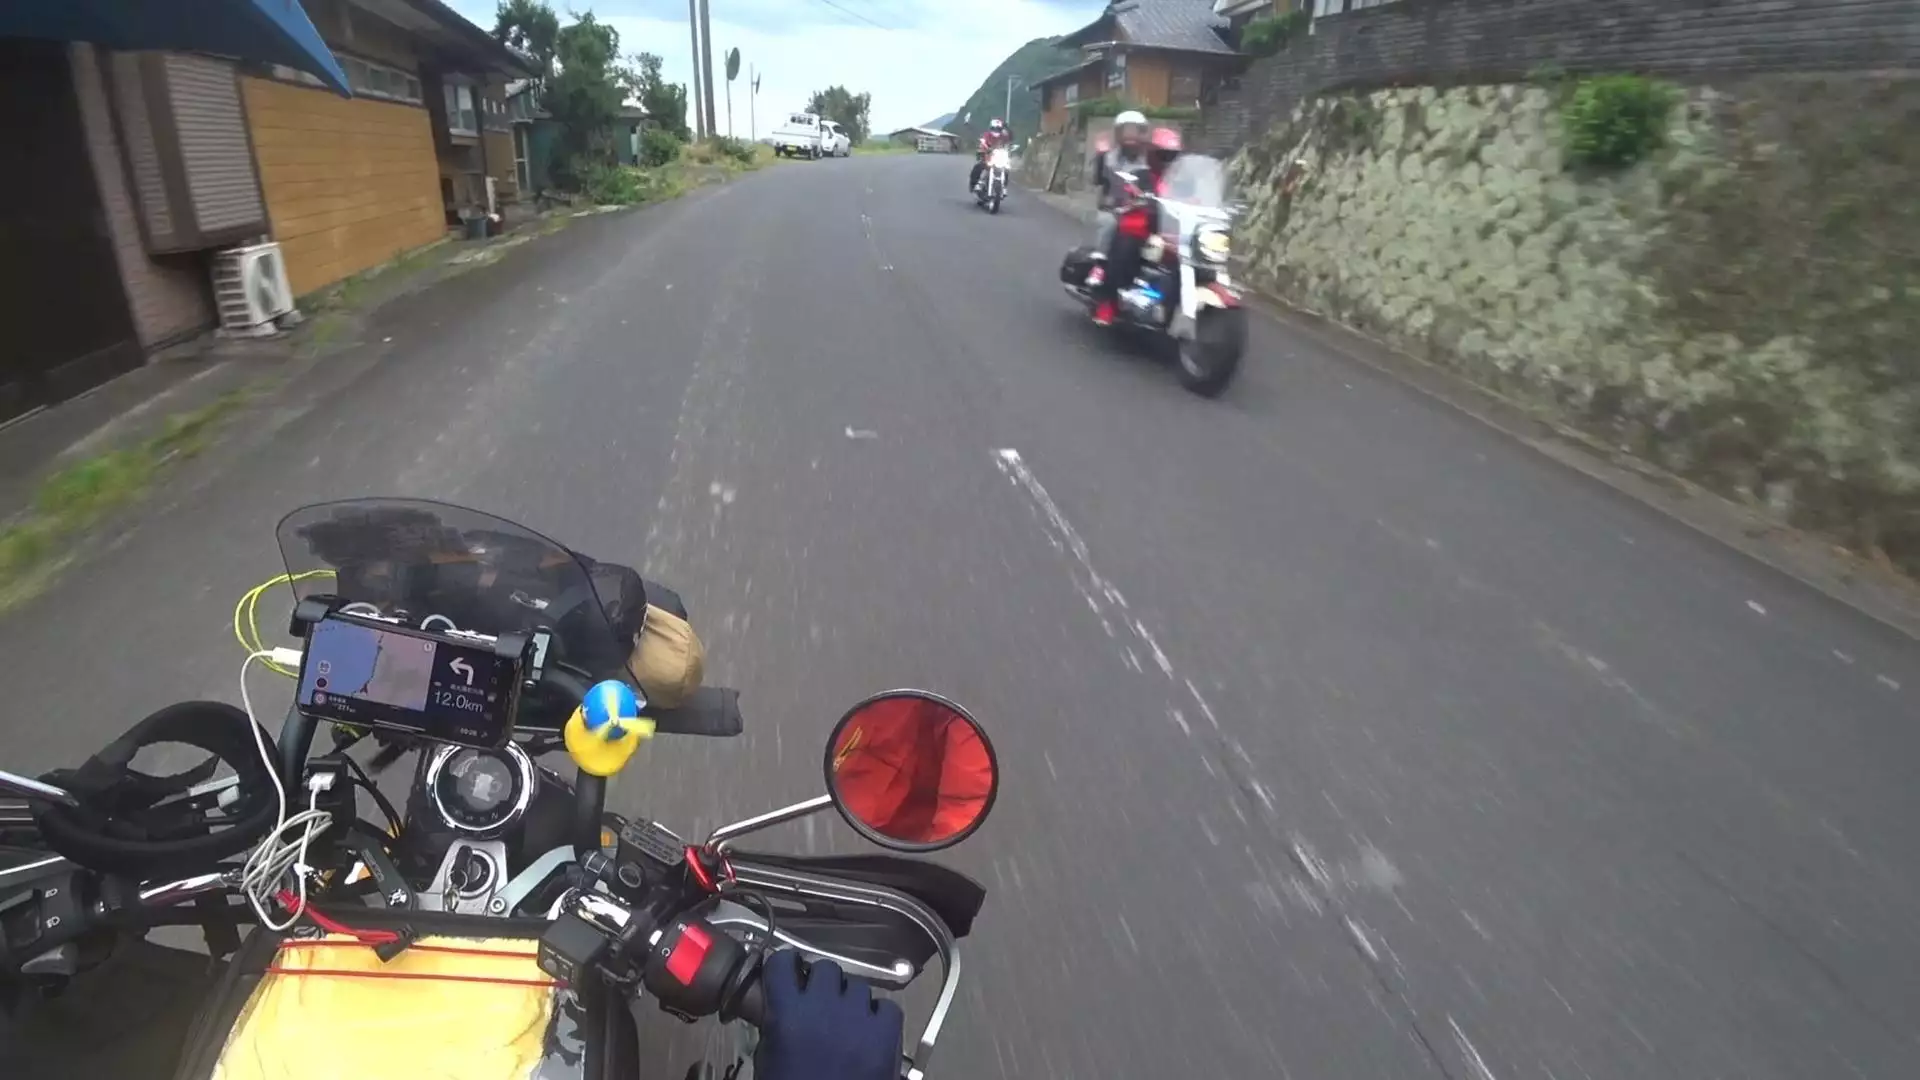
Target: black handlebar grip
x,y
750,1003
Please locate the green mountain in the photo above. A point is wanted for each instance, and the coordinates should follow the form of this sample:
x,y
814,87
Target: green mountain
x,y
1037,59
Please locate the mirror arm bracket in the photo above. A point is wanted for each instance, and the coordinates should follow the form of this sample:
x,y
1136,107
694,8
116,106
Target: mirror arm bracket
x,y
719,839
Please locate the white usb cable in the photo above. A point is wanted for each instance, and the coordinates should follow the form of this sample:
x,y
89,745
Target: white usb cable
x,y
276,855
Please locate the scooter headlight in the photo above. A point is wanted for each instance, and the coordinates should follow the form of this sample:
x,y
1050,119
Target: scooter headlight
x,y
1212,245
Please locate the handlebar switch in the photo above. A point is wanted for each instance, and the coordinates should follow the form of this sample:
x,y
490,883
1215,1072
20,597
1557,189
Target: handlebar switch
x,y
695,969
571,946
56,915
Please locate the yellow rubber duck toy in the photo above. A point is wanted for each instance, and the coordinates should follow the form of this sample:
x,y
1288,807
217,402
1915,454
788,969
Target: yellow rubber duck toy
x,y
606,728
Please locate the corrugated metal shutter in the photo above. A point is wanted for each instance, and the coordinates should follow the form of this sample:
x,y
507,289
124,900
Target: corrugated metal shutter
x,y
143,154
213,143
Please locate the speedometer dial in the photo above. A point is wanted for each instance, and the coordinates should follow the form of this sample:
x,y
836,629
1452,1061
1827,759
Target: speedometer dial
x,y
480,791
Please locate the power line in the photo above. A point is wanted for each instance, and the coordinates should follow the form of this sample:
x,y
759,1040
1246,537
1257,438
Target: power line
x,y
854,14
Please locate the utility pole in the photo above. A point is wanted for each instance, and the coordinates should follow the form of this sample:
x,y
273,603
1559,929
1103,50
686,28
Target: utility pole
x,y
706,65
1008,114
693,24
753,91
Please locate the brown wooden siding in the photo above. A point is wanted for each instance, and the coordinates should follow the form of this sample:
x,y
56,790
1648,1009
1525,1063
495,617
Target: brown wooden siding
x,y
1148,76
349,183
1053,111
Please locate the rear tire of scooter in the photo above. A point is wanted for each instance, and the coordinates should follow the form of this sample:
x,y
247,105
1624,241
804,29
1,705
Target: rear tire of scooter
x,y
1208,363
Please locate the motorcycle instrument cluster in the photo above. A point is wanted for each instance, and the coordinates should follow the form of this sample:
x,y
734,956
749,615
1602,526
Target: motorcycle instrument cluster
x,y
480,791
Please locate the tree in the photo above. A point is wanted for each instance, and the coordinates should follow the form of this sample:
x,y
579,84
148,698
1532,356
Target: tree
x,y
665,102
585,95
845,108
531,27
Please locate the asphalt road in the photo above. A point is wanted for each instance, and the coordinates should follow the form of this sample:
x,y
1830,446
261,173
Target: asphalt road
x,y
1342,737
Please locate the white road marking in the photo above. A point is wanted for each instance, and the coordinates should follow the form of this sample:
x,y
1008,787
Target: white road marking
x,y
1468,1051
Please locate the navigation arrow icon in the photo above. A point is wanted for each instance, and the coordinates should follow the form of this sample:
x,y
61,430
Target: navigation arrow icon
x,y
460,667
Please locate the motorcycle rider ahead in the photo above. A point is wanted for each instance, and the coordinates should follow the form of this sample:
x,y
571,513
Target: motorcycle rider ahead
x,y
1147,160
996,135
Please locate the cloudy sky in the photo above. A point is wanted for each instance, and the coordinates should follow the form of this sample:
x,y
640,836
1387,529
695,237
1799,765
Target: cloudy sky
x,y
918,58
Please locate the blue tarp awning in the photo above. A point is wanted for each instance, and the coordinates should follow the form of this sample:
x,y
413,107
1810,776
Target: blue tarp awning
x,y
267,31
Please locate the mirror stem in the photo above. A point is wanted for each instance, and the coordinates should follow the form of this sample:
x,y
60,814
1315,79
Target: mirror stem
x,y
726,834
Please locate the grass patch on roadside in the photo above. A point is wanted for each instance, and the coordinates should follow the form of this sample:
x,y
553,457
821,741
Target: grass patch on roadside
x,y
733,155
35,547
871,148
353,293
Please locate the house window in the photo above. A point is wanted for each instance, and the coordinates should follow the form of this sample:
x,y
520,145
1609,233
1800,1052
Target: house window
x,y
496,114
373,80
461,118
1071,94
521,170
1117,72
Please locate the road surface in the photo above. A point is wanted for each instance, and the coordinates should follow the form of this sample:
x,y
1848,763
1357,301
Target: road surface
x,y
1342,737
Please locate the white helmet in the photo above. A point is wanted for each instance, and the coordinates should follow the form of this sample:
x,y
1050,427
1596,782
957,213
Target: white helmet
x,y
1131,116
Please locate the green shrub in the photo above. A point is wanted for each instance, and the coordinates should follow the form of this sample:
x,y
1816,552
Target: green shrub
x,y
1113,106
739,150
658,147
613,185
1615,120
1269,34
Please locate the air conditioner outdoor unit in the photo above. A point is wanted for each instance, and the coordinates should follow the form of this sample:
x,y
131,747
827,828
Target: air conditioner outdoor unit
x,y
250,289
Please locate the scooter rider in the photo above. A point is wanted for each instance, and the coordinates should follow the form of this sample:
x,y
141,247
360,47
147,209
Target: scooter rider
x,y
996,135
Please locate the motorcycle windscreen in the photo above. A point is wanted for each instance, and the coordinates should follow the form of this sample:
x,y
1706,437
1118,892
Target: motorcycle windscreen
x,y
1195,179
453,1007
460,569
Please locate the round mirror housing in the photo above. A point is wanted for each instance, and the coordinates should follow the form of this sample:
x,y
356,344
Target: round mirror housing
x,y
911,771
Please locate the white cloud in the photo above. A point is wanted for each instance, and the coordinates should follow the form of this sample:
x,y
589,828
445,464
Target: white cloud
x,y
936,57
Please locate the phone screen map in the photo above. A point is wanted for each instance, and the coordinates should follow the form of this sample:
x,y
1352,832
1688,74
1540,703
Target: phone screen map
x,y
354,673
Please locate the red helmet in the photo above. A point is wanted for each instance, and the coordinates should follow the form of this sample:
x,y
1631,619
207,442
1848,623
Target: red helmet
x,y
1167,140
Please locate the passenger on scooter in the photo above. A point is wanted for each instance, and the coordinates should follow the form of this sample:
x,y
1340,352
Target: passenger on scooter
x,y
1122,250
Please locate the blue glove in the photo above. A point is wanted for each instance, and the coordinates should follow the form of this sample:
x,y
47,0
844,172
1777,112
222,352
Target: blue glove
x,y
821,1025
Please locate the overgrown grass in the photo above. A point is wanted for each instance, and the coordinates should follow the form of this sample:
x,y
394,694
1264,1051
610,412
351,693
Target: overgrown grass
x,y
734,155
886,147
34,547
1113,106
1271,33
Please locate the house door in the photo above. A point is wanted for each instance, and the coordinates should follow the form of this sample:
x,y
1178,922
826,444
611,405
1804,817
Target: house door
x,y
520,171
68,326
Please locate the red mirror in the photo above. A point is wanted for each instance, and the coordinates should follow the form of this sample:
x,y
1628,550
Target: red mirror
x,y
911,771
